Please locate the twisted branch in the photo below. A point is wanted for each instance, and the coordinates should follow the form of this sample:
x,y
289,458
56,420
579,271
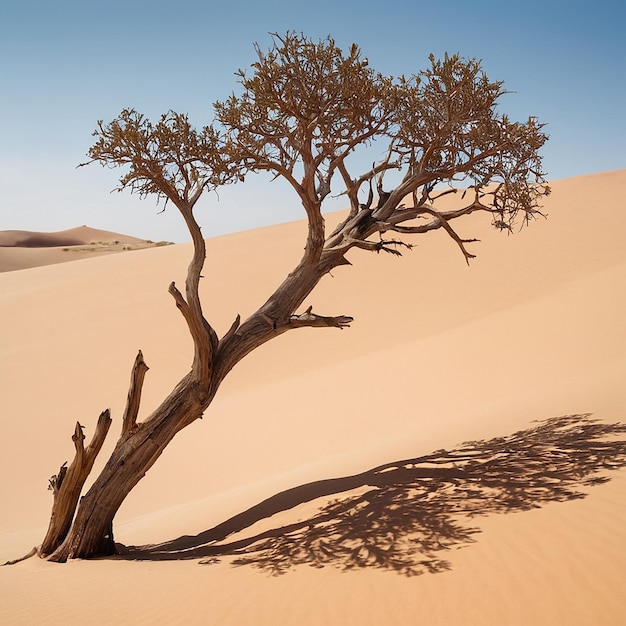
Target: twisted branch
x,y
308,318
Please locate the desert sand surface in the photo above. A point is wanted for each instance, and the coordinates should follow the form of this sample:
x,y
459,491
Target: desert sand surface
x,y
439,354
20,249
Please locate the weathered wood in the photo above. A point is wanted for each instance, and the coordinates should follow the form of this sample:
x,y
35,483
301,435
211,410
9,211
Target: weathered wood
x,y
129,421
91,532
308,318
67,485
56,480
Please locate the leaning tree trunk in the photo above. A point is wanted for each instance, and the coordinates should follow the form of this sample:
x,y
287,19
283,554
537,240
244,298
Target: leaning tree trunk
x,y
141,444
138,447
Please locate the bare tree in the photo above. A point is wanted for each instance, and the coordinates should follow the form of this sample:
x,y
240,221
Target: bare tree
x,y
308,113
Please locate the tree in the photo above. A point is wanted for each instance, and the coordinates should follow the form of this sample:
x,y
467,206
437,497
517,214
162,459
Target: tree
x,y
307,113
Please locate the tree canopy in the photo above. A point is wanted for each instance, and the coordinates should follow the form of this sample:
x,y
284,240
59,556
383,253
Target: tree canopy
x,y
307,111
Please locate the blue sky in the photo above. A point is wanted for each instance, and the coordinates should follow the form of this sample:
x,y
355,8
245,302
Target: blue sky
x,y
64,64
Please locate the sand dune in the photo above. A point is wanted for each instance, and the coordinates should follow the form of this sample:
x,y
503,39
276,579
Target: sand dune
x,y
439,353
21,249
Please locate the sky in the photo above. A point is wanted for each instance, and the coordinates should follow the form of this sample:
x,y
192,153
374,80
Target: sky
x,y
65,64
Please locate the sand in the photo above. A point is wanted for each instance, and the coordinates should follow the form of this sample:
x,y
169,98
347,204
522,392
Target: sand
x,y
439,353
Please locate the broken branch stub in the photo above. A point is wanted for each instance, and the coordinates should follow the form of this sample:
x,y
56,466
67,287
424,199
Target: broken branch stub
x,y
68,483
308,318
129,421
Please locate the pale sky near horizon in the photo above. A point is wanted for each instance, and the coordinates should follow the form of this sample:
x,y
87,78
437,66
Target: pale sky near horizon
x,y
66,64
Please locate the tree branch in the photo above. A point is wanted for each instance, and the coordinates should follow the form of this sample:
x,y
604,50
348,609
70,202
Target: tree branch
x,y
204,336
129,421
446,225
78,438
308,318
68,483
181,303
384,245
233,329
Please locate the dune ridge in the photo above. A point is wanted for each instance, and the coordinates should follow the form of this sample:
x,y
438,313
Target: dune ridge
x,y
22,249
439,353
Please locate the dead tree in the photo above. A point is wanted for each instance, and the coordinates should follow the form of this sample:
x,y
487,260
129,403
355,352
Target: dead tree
x,y
304,111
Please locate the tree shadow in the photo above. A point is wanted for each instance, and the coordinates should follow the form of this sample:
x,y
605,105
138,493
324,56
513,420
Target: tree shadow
x,y
402,516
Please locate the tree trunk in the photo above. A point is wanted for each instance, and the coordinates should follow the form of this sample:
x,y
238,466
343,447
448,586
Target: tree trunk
x,y
140,445
136,451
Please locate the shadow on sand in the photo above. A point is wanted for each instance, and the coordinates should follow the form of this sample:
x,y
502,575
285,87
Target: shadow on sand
x,y
402,516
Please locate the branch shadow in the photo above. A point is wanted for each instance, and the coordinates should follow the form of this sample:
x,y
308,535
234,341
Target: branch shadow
x,y
402,516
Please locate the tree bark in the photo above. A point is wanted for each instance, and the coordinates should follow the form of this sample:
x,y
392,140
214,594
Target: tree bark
x,y
135,453
68,483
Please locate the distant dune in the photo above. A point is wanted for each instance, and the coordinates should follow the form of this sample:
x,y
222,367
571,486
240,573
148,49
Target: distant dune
x,y
21,249
335,457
